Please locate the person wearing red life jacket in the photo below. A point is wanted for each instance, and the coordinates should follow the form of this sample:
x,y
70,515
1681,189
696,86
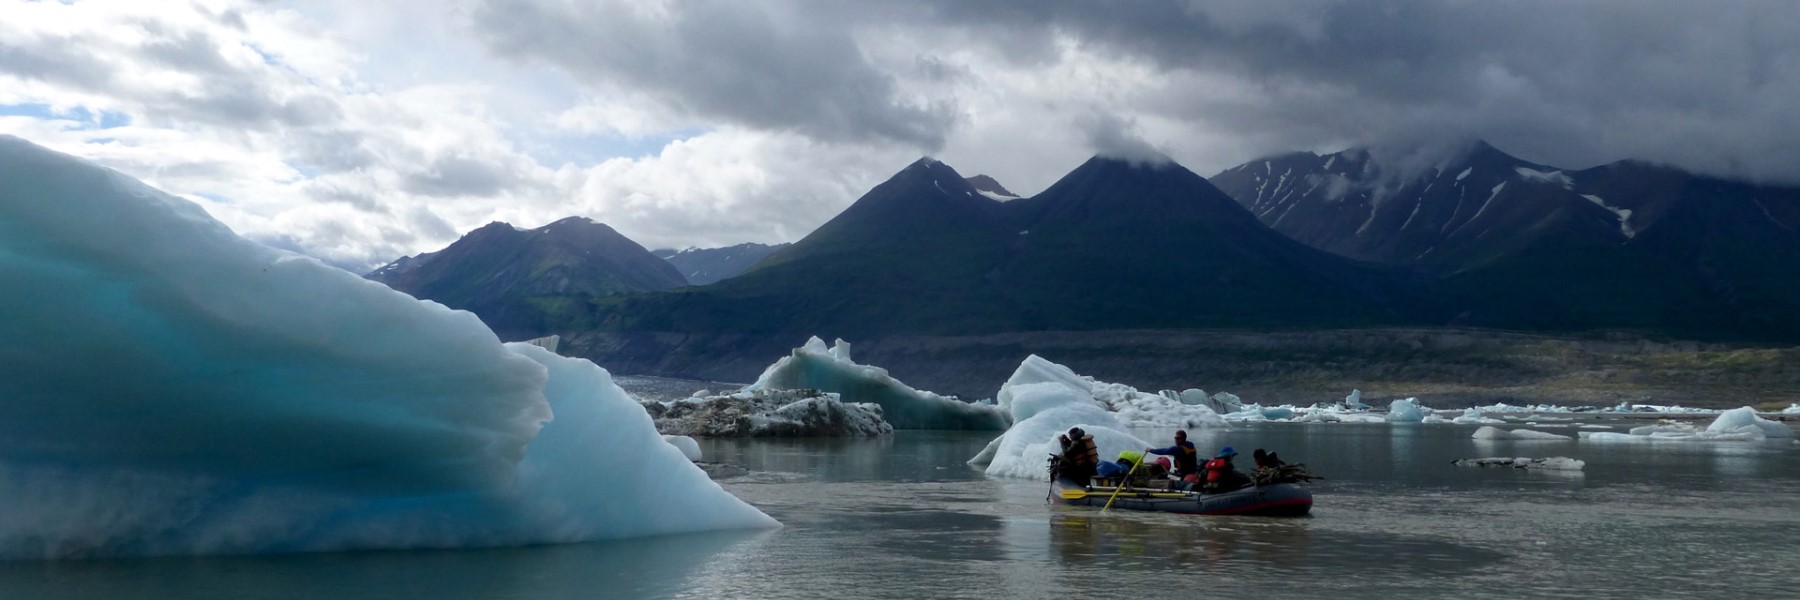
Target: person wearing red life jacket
x,y
1221,475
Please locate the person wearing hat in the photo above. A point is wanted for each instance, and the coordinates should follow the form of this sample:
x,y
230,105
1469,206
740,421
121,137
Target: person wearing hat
x,y
1187,457
1221,475
1080,457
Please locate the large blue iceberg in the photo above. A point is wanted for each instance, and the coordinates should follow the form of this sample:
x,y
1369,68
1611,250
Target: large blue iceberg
x,y
167,387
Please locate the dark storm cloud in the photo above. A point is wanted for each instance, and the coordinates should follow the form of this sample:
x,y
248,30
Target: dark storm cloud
x,y
766,65
1702,85
1706,85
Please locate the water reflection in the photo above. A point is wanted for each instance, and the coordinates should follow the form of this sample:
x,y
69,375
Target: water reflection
x,y
653,567
1208,545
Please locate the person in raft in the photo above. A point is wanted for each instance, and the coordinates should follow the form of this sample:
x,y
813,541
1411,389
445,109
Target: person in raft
x,y
1187,457
1080,457
1221,475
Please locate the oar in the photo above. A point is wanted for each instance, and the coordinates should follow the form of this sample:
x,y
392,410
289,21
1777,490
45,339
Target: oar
x,y
1122,484
1074,494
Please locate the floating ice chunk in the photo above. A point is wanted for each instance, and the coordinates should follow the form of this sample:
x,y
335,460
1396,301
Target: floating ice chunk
x,y
1736,425
1554,463
1188,395
1495,433
1405,411
1606,436
1434,419
1134,408
1354,401
172,388
687,445
1331,415
1222,402
771,413
1665,428
1045,399
1043,411
1744,419
813,366
1595,426
1792,409
1473,416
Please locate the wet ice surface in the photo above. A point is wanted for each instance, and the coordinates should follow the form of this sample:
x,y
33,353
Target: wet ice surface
x,y
903,517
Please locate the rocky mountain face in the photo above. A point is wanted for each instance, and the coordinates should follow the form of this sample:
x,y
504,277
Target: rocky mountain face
x,y
706,266
512,278
987,186
1522,245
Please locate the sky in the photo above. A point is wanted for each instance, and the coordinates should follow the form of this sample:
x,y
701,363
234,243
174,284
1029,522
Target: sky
x,y
358,131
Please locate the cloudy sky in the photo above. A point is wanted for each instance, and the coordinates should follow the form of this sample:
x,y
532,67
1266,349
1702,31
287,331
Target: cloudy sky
x,y
359,131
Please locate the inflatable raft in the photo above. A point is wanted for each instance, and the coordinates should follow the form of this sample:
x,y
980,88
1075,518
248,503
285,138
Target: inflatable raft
x,y
1273,500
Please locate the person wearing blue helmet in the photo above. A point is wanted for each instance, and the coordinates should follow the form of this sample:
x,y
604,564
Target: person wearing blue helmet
x,y
1221,475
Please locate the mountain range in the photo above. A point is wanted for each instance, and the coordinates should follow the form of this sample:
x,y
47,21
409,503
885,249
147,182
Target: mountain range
x,y
705,266
1522,245
1364,237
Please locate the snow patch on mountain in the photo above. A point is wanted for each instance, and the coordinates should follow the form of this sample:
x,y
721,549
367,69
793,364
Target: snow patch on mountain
x,y
1551,177
1623,213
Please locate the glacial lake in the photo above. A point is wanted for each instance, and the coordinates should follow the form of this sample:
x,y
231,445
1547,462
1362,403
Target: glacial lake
x,y
904,517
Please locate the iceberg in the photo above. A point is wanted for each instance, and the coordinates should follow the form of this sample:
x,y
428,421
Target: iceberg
x,y
1405,411
172,388
1745,420
1132,407
769,413
1474,416
1735,425
1496,433
1045,399
1354,401
814,366
1222,402
688,446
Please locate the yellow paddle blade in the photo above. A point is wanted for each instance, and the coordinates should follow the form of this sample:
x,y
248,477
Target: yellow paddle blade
x,y
1073,494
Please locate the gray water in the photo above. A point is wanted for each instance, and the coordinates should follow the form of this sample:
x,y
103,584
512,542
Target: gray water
x,y
904,517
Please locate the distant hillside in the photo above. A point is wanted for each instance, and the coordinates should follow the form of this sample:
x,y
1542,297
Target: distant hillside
x,y
705,266
512,278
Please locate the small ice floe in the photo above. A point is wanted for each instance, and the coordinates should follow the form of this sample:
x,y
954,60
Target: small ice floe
x,y
1554,463
1473,416
687,446
1596,426
1735,425
1654,408
1496,433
